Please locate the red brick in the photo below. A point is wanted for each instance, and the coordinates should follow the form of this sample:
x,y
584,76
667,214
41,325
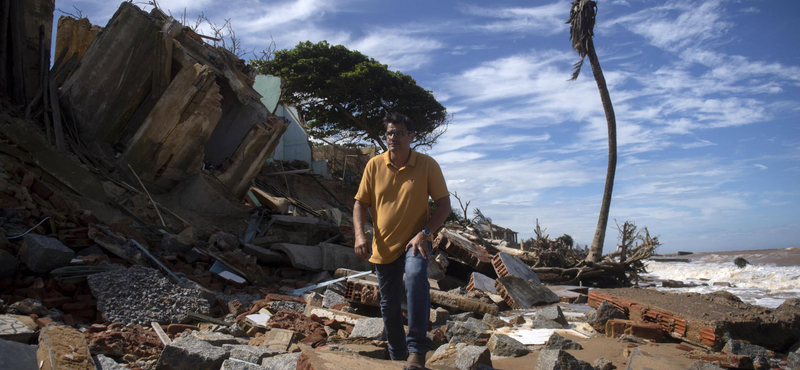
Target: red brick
x,y
56,302
646,331
98,327
69,320
175,329
44,321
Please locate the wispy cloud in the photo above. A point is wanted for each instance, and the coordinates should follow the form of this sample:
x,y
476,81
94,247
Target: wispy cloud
x,y
760,166
545,19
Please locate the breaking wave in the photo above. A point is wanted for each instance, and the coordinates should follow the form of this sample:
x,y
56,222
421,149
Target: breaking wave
x,y
763,284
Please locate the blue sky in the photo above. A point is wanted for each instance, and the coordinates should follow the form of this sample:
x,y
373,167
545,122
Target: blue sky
x,y
705,94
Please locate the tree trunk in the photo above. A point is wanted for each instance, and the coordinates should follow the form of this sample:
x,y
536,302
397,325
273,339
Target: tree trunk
x,y
371,134
596,252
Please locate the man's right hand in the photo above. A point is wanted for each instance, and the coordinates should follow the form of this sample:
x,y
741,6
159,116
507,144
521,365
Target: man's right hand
x,y
363,248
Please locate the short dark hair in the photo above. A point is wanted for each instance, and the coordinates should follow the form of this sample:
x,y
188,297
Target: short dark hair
x,y
398,118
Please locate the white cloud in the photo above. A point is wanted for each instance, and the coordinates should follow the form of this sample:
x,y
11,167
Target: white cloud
x,y
545,19
760,166
399,51
697,144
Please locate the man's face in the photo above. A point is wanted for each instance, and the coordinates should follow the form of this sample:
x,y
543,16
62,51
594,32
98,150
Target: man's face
x,y
397,137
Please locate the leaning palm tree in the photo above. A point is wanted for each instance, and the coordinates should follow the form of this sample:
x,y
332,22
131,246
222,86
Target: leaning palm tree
x,y
581,31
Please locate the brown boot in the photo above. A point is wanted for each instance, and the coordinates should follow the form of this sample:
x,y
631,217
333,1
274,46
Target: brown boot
x,y
416,361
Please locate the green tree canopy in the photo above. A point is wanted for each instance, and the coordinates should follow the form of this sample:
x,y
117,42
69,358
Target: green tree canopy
x,y
344,95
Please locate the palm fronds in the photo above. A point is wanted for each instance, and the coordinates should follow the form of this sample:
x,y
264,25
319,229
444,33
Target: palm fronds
x,y
581,30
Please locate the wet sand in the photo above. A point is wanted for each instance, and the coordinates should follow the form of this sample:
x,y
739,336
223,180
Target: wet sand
x,y
609,348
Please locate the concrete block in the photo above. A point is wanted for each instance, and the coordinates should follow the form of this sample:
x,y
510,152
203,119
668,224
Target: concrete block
x,y
556,341
43,254
553,359
281,362
104,363
461,356
365,350
553,313
214,338
239,365
8,264
301,256
506,264
24,357
12,329
606,311
439,316
189,353
371,328
254,354
332,298
63,347
503,345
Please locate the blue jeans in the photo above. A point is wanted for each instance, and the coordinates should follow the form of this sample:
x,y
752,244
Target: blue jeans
x,y
418,303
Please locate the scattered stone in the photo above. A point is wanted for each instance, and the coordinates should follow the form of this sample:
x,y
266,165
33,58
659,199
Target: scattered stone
x,y
275,306
541,322
702,365
625,338
239,365
63,347
556,341
24,357
189,353
104,363
793,360
736,347
140,295
8,264
172,243
503,345
254,354
281,362
439,317
461,356
553,313
556,359
371,328
214,338
332,298
43,254
26,307
606,311
224,241
494,321
472,331
517,320
603,364
741,262
462,316
676,284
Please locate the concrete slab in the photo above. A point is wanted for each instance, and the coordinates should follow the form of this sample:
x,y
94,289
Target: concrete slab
x,y
478,281
336,256
63,347
506,264
24,357
333,360
304,257
14,330
522,294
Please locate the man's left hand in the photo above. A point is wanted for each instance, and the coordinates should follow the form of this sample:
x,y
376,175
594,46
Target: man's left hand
x,y
419,244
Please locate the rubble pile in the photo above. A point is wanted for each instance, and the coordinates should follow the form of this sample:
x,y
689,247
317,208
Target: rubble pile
x,y
141,229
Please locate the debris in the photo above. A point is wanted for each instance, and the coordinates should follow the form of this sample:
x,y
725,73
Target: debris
x,y
140,295
24,357
553,313
618,327
104,363
461,356
8,264
462,248
604,312
506,264
224,241
603,364
214,338
319,359
265,256
439,317
12,329
472,331
702,365
282,362
43,254
253,354
793,360
62,347
231,364
27,306
279,339
302,256
541,322
556,359
522,294
503,345
556,341
737,347
371,328
189,353
118,340
478,281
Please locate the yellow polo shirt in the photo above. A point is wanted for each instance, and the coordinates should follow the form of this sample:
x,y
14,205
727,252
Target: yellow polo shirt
x,y
399,201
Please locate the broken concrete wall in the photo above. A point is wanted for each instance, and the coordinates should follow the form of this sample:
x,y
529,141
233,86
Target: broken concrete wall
x,y
75,35
165,96
20,51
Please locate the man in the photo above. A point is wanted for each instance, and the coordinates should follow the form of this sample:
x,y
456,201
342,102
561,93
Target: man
x,y
396,185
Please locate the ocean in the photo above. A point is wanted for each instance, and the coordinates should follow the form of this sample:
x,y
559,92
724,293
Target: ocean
x,y
772,277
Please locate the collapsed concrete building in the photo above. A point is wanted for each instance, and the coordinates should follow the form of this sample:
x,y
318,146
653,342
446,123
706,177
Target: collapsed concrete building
x,y
149,91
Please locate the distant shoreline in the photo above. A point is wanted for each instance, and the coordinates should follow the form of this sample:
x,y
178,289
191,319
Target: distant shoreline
x,y
779,257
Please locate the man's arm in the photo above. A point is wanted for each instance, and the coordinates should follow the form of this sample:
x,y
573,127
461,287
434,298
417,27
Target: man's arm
x,y
420,241
362,246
